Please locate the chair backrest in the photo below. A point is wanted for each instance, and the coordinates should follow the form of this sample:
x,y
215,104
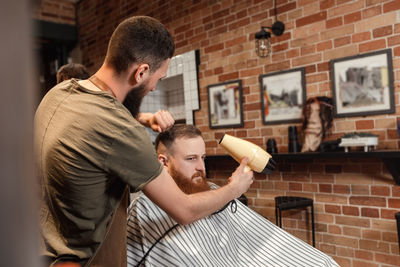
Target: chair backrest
x,y
112,251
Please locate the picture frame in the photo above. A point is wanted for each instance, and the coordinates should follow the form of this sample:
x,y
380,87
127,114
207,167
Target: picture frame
x,y
225,107
362,85
283,95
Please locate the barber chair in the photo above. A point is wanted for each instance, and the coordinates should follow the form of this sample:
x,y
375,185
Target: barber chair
x,y
112,251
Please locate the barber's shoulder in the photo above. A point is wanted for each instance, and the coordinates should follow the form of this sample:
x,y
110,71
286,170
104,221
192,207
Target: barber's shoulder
x,y
55,97
60,87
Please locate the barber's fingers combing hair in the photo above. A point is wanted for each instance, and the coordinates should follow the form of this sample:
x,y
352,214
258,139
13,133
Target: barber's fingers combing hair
x,y
162,120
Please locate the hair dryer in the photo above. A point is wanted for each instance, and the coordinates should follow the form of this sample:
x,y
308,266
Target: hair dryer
x,y
259,160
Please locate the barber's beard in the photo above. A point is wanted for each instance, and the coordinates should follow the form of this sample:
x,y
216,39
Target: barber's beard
x,y
188,186
134,99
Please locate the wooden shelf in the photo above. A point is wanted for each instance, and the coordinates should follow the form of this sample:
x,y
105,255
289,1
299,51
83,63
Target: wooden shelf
x,y
389,157
357,154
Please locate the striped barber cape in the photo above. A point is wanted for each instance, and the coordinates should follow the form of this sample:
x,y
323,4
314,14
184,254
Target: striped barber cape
x,y
225,239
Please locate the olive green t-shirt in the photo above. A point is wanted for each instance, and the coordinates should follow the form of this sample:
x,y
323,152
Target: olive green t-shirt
x,y
88,148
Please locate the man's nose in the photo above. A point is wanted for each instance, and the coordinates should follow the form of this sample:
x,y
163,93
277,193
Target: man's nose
x,y
201,166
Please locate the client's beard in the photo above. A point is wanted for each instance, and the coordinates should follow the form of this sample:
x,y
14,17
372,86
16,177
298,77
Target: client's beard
x,y
134,99
187,185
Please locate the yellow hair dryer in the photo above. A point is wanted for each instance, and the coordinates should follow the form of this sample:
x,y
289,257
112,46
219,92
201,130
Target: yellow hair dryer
x,y
259,160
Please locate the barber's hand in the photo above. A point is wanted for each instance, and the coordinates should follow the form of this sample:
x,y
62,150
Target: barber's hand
x,y
241,179
161,121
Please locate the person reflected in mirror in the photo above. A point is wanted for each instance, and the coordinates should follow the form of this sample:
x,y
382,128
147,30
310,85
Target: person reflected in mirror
x,y
72,70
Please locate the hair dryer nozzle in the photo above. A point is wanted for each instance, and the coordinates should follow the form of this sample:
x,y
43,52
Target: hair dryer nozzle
x,y
270,167
259,160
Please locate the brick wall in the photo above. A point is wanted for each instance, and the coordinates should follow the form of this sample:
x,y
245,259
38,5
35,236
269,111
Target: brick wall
x,y
57,11
354,202
355,199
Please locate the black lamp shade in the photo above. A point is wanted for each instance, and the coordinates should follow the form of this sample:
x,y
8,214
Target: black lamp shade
x,y
263,34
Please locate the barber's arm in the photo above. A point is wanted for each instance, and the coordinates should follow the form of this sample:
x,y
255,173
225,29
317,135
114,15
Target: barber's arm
x,y
159,121
186,209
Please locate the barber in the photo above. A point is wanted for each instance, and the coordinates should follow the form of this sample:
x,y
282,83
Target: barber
x,y
89,147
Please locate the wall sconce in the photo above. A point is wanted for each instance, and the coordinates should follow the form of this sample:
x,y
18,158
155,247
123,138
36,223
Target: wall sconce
x,y
263,38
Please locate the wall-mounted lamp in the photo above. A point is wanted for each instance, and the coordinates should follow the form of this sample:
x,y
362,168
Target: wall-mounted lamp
x,y
263,38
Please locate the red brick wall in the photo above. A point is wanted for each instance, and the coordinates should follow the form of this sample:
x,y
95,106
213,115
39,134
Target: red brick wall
x,y
356,199
223,31
57,11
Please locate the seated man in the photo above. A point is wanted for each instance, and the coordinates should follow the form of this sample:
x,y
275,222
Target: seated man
x,y
233,236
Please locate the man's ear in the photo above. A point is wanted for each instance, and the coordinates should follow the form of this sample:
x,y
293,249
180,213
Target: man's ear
x,y
163,159
139,73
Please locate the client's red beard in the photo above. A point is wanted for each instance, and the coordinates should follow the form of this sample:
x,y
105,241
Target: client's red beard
x,y
187,185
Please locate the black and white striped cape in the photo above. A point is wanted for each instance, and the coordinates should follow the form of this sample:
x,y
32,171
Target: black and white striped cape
x,y
225,239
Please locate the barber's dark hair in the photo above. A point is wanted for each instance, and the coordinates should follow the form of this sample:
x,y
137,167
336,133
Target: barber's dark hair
x,y
168,137
72,70
139,39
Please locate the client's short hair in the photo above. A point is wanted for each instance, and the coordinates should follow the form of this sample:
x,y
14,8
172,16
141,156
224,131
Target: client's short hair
x,y
72,70
168,137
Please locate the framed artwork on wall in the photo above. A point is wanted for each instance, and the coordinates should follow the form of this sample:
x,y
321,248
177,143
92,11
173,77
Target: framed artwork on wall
x,y
283,95
363,85
225,107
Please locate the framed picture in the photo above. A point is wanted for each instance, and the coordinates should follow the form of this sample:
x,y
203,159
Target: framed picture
x,y
283,96
225,104
363,85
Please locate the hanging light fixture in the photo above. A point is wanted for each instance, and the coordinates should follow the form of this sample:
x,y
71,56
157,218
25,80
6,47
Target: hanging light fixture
x,y
263,38
263,43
